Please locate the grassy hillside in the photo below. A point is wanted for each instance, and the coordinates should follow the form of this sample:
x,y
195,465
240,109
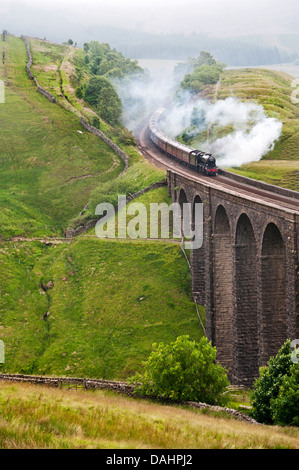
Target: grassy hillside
x,y
48,169
110,300
272,90
40,417
50,164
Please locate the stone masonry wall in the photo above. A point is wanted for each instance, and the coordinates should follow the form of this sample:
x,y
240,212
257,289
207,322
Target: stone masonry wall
x,y
111,144
41,90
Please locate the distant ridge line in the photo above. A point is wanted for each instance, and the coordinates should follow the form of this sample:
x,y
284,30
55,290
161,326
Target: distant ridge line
x,y
118,386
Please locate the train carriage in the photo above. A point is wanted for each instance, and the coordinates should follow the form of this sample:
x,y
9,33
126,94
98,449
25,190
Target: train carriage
x,y
197,160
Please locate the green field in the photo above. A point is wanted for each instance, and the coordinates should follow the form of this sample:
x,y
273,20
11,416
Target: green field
x,y
50,165
109,302
110,299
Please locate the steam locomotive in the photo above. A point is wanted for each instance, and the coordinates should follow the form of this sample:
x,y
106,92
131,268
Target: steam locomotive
x,y
197,160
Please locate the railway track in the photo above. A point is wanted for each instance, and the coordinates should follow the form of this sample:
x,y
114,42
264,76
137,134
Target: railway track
x,y
222,182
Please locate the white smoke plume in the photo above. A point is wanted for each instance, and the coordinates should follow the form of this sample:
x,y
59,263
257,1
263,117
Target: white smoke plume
x,y
143,95
250,135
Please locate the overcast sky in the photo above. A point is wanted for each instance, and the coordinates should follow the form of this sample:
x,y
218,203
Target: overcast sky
x,y
219,17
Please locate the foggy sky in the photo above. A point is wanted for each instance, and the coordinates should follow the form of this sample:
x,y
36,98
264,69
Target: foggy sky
x,y
218,17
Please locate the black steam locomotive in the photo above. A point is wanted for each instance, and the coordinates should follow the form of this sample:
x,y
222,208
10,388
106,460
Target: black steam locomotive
x,y
201,162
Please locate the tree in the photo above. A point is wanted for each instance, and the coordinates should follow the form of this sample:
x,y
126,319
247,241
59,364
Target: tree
x,y
96,122
201,76
183,370
79,92
285,408
266,388
100,93
70,42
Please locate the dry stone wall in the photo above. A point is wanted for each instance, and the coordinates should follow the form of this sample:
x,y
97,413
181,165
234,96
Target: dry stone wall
x,y
117,386
111,144
70,233
31,76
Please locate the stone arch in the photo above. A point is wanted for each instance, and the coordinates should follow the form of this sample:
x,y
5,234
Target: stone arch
x,y
223,298
273,277
198,258
183,200
182,197
245,317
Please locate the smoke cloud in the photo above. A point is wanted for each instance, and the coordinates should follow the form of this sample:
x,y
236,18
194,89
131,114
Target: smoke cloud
x,y
235,132
143,95
250,133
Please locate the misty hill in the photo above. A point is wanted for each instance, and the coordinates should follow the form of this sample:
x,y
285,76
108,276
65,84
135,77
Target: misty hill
x,y
235,33
262,49
137,45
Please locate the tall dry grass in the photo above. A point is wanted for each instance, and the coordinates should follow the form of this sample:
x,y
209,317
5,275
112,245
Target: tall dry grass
x,y
35,417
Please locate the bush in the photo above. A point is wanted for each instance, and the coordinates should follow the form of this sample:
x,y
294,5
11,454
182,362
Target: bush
x,y
267,388
200,77
285,409
79,93
183,370
100,93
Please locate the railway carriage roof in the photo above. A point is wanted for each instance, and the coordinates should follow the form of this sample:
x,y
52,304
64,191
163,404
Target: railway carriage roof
x,y
153,125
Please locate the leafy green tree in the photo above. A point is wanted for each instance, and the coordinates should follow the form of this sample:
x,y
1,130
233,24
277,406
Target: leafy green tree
x,y
200,77
100,93
86,47
109,105
96,122
70,42
285,408
183,370
266,387
79,92
94,88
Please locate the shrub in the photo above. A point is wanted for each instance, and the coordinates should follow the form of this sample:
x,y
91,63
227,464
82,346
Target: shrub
x,y
183,370
285,408
267,386
79,92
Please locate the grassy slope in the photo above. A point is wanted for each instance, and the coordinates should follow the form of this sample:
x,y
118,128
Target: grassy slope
x,y
40,417
272,90
108,304
59,70
48,169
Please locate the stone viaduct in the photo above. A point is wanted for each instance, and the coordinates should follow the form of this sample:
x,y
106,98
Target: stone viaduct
x,y
246,272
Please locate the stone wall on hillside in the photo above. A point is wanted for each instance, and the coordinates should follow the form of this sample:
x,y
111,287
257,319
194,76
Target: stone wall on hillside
x,y
31,76
109,142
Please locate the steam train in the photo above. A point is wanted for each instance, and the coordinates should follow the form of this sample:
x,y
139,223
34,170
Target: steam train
x,y
197,160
